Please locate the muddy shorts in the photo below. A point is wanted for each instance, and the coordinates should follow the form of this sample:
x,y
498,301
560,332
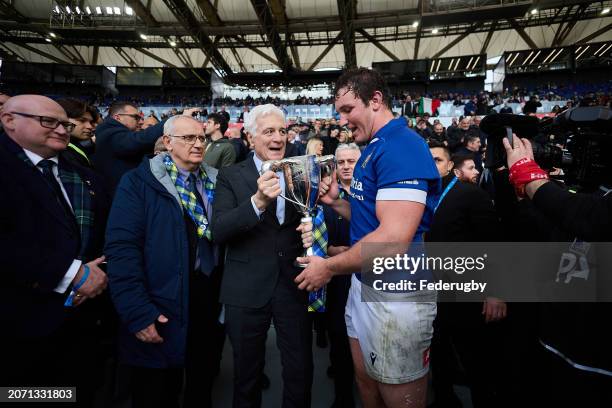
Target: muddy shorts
x,y
393,330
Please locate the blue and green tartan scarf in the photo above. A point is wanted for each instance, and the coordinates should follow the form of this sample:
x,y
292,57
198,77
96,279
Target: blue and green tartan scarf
x,y
80,194
188,198
317,299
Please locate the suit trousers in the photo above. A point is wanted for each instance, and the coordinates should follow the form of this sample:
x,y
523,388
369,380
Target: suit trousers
x,y
247,330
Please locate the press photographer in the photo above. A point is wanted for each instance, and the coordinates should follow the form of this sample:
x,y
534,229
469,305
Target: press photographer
x,y
574,362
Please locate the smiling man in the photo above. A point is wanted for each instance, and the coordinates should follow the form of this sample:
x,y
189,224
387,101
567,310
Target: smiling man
x,y
52,218
163,275
393,193
259,229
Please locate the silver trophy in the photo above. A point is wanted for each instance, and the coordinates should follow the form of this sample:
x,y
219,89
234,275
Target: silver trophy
x,y
302,179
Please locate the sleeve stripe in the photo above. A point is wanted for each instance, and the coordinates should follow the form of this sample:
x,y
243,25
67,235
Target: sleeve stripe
x,y
402,194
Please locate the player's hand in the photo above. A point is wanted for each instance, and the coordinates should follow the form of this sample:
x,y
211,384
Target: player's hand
x,y
328,189
316,274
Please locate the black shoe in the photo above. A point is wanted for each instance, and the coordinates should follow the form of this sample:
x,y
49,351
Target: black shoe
x,y
264,382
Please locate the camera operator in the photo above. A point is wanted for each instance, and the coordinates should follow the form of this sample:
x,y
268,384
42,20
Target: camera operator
x,y
574,365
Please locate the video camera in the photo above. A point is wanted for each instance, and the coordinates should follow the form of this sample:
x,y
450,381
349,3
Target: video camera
x,y
577,140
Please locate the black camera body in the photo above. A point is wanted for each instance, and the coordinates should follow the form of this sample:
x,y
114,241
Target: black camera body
x,y
577,140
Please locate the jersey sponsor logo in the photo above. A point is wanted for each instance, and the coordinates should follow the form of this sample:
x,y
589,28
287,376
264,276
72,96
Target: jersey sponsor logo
x,y
411,182
356,185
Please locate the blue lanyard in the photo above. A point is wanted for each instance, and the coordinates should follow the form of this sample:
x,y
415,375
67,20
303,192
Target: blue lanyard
x,y
445,192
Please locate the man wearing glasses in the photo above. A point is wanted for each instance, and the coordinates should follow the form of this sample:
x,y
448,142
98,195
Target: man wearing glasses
x,y
121,145
163,274
52,219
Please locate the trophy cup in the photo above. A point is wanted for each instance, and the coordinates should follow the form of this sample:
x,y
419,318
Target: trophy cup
x,y
302,178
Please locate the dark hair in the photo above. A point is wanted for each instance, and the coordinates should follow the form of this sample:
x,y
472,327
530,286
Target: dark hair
x,y
74,108
118,107
459,159
470,137
219,120
364,82
94,112
434,144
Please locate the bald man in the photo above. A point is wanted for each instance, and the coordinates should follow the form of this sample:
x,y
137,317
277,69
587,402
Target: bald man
x,y
52,218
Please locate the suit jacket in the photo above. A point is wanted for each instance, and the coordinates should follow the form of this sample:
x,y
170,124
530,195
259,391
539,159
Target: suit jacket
x,y
409,109
119,150
38,243
259,251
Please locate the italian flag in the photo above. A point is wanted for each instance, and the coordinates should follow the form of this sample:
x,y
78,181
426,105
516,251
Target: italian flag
x,y
425,106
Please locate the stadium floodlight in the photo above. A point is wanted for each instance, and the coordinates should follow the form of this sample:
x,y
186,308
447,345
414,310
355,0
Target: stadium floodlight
x,y
129,11
599,49
172,43
78,9
98,10
534,11
583,51
117,10
605,11
415,24
68,10
144,37
52,35
604,51
57,10
109,10
48,39
434,31
87,10
556,55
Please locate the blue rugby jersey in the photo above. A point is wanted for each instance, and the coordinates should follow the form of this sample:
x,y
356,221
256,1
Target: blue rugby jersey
x,y
395,165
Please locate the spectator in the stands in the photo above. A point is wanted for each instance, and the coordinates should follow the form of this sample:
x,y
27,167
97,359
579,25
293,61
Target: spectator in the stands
x,y
239,144
506,109
119,146
315,146
225,114
532,105
438,134
81,148
219,150
470,107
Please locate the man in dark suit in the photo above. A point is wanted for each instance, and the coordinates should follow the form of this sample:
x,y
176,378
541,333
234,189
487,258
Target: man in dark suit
x,y
52,219
409,108
121,145
259,231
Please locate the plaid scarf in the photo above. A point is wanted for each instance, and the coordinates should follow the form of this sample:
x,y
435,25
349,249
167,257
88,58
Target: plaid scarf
x,y
80,194
188,197
316,299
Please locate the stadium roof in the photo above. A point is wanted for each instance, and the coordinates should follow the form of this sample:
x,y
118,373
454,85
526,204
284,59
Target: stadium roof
x,y
236,36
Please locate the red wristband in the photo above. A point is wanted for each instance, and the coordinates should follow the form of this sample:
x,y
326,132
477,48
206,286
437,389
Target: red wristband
x,y
524,172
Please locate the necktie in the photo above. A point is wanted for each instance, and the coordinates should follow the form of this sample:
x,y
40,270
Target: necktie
x,y
317,299
206,251
47,171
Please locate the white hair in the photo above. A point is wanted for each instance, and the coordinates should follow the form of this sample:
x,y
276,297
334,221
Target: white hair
x,y
171,123
250,122
347,146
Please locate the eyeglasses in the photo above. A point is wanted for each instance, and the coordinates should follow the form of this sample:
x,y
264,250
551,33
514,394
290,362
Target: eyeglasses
x,y
134,116
190,139
48,122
